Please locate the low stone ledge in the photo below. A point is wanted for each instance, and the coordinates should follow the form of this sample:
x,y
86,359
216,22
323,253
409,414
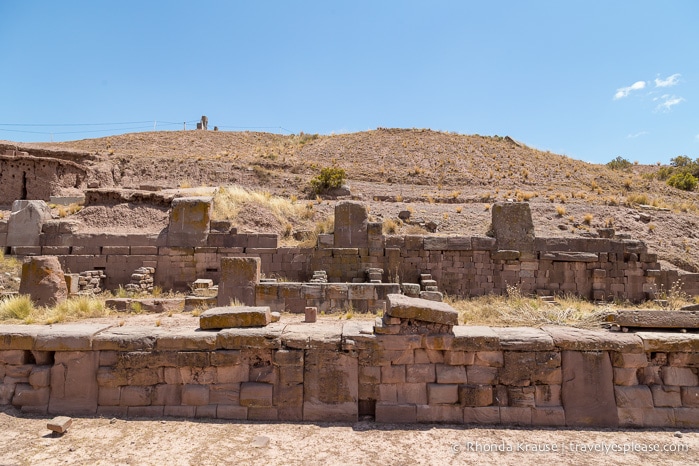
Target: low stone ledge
x,y
126,339
18,337
656,318
475,338
523,339
155,305
268,337
563,256
666,341
320,335
576,339
67,337
187,339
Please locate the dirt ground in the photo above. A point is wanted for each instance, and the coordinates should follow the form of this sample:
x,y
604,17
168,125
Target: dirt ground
x,y
96,441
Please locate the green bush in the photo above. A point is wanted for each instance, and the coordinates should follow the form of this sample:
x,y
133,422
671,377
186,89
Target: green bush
x,y
329,178
683,180
619,163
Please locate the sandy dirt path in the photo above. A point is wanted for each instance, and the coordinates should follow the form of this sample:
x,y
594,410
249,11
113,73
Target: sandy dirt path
x,y
25,440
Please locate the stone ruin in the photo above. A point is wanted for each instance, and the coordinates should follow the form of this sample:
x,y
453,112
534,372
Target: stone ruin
x,y
414,364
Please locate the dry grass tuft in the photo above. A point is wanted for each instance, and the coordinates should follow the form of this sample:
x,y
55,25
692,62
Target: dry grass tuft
x,y
22,309
228,202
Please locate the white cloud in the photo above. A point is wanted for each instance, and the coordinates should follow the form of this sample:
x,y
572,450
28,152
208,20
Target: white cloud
x,y
669,81
635,135
625,91
668,101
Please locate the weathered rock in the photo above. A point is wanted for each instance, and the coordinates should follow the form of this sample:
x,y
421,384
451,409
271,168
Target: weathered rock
x,y
26,221
235,317
59,424
564,256
421,309
43,280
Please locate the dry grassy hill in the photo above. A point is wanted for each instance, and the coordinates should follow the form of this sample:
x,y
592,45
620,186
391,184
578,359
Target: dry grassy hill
x,y
451,179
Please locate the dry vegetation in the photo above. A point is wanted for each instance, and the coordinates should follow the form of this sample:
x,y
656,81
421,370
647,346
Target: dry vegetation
x,y
451,179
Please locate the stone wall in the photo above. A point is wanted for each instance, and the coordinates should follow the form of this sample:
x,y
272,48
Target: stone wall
x,y
27,177
339,371
593,268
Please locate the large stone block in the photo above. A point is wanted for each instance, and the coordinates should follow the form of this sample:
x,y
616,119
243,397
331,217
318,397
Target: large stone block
x,y
189,221
330,386
351,222
239,276
43,280
587,391
25,223
234,317
513,226
421,309
74,387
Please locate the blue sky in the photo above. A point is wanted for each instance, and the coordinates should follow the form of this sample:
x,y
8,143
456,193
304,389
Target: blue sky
x,y
589,79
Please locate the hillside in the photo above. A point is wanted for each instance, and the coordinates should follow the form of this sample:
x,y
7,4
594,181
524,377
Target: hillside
x,y
450,179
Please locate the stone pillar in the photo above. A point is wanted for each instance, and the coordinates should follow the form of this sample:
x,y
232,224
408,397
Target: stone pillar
x,y
587,392
351,223
25,223
513,226
239,277
189,221
43,280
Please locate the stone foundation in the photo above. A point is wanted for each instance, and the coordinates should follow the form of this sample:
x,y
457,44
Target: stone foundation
x,y
340,371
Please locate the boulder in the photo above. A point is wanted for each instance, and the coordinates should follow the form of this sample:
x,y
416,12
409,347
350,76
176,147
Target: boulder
x,y
43,280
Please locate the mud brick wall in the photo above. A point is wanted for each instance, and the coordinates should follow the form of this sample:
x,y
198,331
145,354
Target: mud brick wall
x,y
555,376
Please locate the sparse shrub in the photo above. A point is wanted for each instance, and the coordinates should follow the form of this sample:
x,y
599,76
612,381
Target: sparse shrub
x,y
637,199
560,210
390,226
619,163
587,218
16,307
460,209
651,227
683,180
329,178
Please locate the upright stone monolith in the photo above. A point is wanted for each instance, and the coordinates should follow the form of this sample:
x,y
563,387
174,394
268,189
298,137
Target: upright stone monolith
x,y
26,221
239,277
189,221
513,226
351,223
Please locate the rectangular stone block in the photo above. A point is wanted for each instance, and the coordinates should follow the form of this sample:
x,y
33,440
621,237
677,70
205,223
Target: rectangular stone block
x,y
666,397
680,376
515,416
548,416
420,373
255,394
488,415
237,413
442,393
450,374
235,317
411,393
588,393
441,414
393,374
690,397
475,395
195,395
391,413
637,396
547,395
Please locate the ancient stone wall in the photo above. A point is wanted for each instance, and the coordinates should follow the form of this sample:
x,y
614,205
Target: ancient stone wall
x,y
25,177
193,246
338,371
